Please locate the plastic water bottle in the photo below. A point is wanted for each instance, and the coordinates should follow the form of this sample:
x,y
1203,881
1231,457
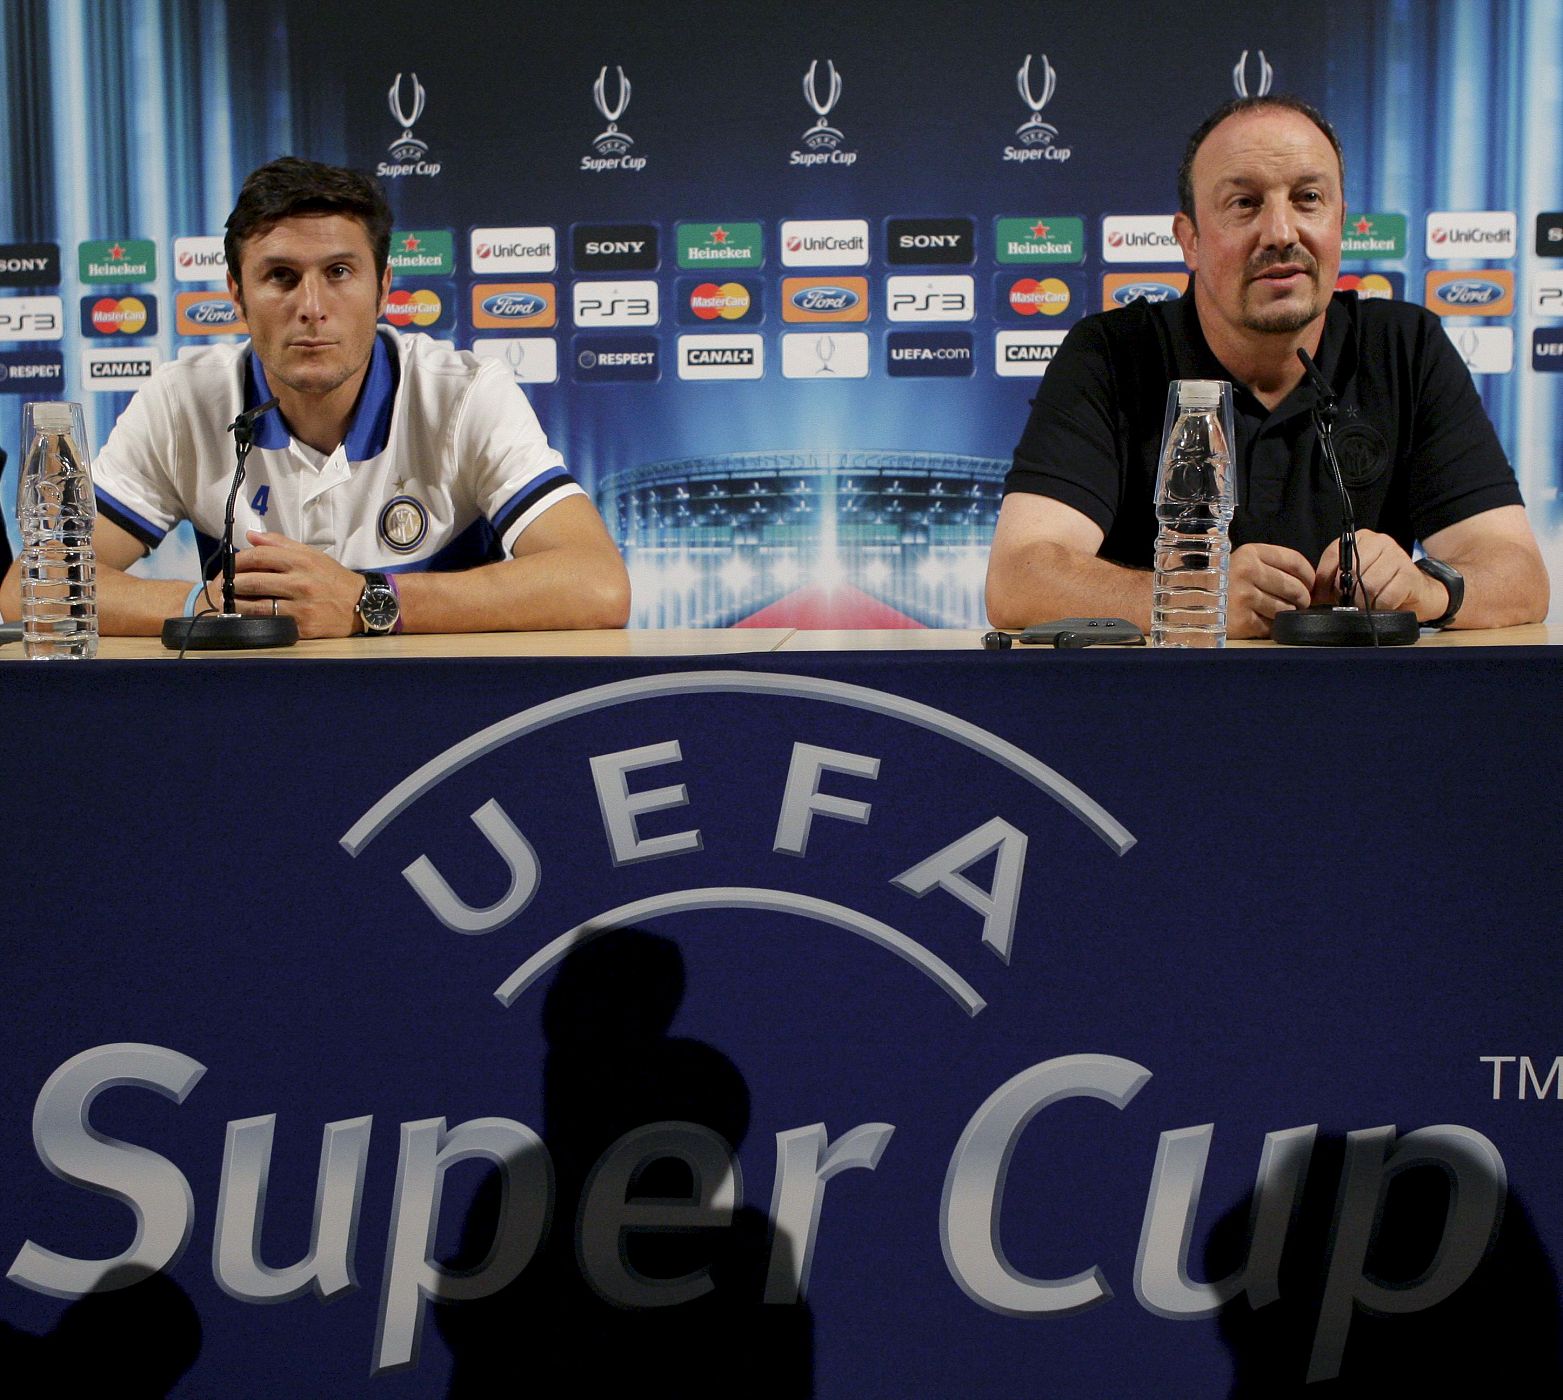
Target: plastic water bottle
x,y
1195,499
57,512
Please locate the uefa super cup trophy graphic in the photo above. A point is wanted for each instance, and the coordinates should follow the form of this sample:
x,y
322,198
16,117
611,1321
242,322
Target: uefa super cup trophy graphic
x,y
1034,131
822,133
407,146
612,142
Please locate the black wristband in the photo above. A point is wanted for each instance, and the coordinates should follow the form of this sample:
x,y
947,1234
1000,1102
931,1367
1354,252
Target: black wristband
x,y
1450,578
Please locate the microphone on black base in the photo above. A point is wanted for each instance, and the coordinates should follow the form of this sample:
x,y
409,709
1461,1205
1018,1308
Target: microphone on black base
x,y
1342,624
230,630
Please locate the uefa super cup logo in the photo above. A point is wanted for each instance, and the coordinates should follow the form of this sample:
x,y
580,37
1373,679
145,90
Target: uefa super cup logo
x,y
407,146
1034,131
822,135
1266,76
612,142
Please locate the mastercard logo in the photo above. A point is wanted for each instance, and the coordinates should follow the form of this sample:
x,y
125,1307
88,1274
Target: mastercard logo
x,y
730,301
420,308
1371,284
127,315
1031,297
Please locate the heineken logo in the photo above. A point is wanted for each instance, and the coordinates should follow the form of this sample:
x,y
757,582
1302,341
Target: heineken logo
x,y
118,260
720,245
423,252
1040,240
1374,236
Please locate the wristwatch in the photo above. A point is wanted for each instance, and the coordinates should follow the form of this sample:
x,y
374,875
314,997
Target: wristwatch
x,y
1450,578
380,606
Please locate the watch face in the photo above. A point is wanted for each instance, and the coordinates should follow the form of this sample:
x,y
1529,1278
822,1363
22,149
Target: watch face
x,y
378,608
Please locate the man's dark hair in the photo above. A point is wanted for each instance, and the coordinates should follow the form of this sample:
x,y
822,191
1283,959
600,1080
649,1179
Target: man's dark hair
x,y
1232,109
289,186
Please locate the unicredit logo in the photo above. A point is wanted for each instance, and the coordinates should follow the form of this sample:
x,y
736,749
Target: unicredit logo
x,y
1469,291
486,251
825,299
826,243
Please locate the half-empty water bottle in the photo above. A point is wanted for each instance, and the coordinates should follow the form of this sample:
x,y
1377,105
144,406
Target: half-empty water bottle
x,y
57,511
1196,495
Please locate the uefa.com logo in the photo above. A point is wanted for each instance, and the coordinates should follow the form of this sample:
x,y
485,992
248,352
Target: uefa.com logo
x,y
1038,139
409,155
822,143
615,149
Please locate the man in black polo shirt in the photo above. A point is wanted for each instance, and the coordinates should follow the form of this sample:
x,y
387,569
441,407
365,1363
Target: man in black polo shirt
x,y
1260,223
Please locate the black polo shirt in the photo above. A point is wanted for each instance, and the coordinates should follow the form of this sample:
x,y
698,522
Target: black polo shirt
x,y
1415,447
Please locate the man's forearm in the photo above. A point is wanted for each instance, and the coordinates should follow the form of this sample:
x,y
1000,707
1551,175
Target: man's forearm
x,y
137,607
1505,583
127,607
559,589
1047,581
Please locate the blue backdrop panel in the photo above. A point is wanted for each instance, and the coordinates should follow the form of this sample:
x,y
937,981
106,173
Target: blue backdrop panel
x,y
811,470
1239,889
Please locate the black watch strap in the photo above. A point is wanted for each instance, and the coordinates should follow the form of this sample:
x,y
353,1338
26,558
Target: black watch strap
x,y
1449,576
379,605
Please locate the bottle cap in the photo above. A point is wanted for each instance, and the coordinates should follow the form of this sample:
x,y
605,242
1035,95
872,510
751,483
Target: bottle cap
x,y
52,418
1199,393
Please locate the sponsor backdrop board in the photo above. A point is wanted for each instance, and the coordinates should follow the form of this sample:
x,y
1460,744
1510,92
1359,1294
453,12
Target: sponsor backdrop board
x,y
969,987
892,210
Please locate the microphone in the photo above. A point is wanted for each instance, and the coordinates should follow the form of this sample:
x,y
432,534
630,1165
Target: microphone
x,y
244,424
1344,624
230,630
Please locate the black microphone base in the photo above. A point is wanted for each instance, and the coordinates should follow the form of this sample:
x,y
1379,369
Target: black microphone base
x,y
1325,626
228,632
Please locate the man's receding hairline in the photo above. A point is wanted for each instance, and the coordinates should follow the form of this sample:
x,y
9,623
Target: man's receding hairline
x,y
1340,169
1253,107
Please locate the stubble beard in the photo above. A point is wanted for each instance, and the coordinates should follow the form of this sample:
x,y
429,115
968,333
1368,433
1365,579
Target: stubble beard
x,y
1280,318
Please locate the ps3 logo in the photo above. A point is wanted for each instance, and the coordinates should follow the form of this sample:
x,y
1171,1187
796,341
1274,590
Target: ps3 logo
x,y
29,324
616,303
930,298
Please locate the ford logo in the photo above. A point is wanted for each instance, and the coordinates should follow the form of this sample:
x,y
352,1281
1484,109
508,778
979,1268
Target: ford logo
x,y
513,305
1143,291
215,312
1469,291
825,299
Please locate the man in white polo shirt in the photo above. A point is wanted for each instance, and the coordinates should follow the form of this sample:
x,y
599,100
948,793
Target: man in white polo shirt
x,y
397,486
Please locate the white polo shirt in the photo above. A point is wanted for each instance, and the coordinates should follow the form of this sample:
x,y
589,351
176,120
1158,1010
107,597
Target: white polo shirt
x,y
444,463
